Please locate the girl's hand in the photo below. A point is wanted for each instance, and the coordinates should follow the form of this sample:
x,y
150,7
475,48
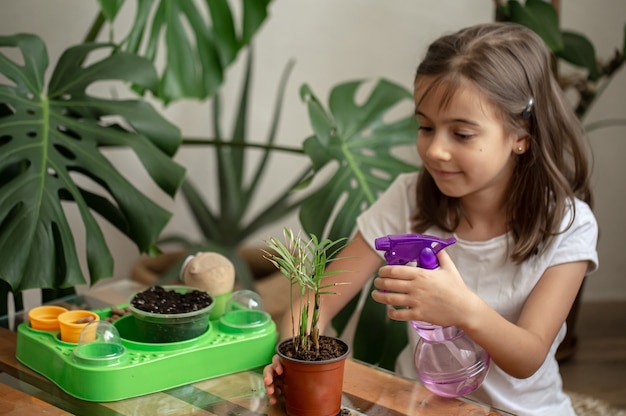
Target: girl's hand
x,y
271,372
436,296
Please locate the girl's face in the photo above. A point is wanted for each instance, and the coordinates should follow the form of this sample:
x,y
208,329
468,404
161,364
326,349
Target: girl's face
x,y
463,144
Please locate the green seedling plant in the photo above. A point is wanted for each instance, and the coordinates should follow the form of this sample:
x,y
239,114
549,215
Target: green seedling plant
x,y
304,264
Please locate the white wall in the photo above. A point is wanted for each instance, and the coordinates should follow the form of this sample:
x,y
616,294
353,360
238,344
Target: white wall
x,y
334,41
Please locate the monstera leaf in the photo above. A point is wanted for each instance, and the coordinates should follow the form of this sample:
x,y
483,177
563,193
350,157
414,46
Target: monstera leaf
x,y
357,139
199,47
51,151
361,142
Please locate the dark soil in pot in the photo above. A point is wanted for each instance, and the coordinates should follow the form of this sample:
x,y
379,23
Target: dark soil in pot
x,y
158,300
330,349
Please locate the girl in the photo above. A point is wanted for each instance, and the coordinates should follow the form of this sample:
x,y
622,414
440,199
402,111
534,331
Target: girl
x,y
506,173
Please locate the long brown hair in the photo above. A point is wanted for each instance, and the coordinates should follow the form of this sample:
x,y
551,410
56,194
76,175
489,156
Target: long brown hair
x,y
510,64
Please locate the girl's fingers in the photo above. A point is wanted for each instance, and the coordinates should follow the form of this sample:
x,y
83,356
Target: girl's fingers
x,y
405,313
393,299
272,369
444,260
401,314
276,365
393,286
271,380
397,272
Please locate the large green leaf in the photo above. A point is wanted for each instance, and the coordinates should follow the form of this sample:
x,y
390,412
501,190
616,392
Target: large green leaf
x,y
201,42
51,143
360,140
541,17
578,50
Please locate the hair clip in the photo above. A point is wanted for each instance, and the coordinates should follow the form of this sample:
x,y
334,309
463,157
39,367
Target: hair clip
x,y
529,107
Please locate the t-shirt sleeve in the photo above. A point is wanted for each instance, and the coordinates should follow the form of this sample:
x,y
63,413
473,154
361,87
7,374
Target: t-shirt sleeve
x,y
580,241
392,211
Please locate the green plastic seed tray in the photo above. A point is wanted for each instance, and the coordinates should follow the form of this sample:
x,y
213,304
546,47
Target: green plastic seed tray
x,y
103,370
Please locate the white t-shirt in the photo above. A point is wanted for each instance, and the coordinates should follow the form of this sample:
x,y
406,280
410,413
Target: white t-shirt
x,y
504,285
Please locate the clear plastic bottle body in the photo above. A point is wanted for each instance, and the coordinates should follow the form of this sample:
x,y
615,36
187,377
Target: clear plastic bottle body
x,y
448,362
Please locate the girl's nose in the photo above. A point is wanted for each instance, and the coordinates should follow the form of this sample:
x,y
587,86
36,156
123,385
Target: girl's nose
x,y
437,147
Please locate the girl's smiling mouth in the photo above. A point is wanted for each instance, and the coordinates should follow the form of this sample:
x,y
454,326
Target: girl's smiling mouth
x,y
442,174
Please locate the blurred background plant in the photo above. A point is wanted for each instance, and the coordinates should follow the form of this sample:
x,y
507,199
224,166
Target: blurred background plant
x,y
69,129
198,44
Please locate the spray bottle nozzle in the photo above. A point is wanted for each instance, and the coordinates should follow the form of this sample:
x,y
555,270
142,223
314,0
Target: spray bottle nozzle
x,y
405,248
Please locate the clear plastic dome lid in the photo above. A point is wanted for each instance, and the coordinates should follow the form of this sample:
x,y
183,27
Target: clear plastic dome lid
x,y
244,312
99,344
244,300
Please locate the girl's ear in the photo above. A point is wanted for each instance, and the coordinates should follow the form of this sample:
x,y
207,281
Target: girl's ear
x,y
521,144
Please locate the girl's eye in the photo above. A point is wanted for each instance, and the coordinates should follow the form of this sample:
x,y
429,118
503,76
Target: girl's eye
x,y
464,136
425,129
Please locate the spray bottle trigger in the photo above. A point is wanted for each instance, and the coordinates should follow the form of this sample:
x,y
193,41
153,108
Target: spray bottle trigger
x,y
428,259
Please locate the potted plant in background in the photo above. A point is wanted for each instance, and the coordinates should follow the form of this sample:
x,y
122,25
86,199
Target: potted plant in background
x,y
228,223
347,133
54,138
312,380
53,143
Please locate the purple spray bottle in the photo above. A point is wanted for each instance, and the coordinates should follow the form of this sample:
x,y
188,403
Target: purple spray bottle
x,y
448,362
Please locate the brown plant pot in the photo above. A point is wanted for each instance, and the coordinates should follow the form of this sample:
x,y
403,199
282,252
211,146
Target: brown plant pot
x,y
312,388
